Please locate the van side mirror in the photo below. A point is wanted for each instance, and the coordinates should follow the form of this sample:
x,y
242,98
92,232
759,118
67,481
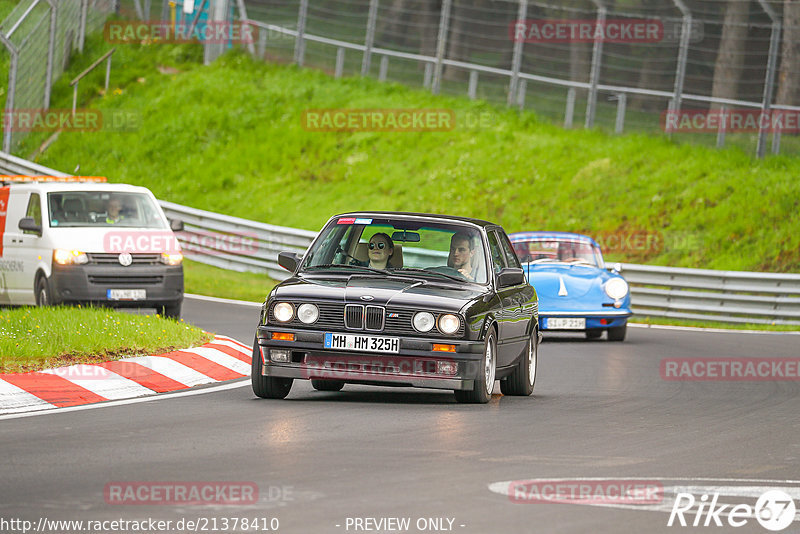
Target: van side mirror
x,y
27,224
289,260
510,276
176,225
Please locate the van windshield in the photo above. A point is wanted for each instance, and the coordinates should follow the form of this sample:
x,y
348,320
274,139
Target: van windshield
x,y
103,208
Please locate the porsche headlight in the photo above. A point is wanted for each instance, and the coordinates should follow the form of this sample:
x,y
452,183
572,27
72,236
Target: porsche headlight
x,y
616,288
283,312
308,313
423,321
449,323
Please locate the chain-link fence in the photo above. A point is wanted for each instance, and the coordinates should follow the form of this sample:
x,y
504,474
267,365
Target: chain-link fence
x,y
38,37
708,71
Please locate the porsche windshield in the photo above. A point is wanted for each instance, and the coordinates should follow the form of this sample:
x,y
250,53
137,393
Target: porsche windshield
x,y
562,250
416,248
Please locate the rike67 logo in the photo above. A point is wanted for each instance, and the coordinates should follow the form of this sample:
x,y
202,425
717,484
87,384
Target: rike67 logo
x,y
774,510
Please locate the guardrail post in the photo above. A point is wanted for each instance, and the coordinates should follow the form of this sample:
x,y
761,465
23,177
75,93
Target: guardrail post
x,y
472,90
299,44
383,69
619,124
683,52
339,63
597,58
569,113
369,39
441,43
516,58
769,80
722,126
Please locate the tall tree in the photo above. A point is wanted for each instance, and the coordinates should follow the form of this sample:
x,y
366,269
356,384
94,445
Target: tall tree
x,y
789,76
730,57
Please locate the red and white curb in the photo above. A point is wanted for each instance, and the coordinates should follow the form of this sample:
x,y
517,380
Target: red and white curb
x,y
223,358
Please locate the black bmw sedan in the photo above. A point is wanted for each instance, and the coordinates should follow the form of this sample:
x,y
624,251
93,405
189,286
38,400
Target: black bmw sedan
x,y
402,299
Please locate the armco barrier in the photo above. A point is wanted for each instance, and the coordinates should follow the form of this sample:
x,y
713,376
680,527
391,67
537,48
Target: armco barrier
x,y
697,294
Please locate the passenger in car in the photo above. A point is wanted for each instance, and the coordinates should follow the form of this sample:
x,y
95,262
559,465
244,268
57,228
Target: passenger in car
x,y
462,254
381,250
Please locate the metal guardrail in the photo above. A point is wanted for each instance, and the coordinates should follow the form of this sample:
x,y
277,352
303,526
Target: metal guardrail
x,y
696,294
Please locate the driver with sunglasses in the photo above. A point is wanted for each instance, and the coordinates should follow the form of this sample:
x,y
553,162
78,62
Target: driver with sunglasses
x,y
381,249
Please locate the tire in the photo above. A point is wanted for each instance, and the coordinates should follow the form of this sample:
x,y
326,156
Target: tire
x,y
267,387
482,391
617,333
521,381
170,311
327,385
594,333
43,295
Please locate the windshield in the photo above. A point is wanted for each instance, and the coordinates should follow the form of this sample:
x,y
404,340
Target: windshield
x,y
563,250
396,246
103,208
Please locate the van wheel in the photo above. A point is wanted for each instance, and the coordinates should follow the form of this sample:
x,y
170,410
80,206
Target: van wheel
x,y
170,311
43,296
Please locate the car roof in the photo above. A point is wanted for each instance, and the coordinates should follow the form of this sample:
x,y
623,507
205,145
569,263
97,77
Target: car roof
x,y
526,236
414,215
59,187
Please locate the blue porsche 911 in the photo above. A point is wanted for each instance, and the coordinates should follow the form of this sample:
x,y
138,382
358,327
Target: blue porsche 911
x,y
576,291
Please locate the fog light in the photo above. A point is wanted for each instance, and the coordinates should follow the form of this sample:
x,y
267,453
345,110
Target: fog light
x,y
283,336
444,348
446,367
279,355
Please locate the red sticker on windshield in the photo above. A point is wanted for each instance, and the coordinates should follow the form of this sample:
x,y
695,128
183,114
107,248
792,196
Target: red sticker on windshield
x,y
346,220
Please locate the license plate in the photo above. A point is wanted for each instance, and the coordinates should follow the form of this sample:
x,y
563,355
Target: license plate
x,y
126,294
566,323
362,343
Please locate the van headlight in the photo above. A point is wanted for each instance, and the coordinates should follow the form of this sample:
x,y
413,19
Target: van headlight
x,y
616,288
283,311
69,257
449,323
171,259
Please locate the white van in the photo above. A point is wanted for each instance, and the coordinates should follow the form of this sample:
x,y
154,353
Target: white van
x,y
82,240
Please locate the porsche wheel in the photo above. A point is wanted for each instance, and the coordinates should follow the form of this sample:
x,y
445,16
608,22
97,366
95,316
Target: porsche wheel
x,y
617,333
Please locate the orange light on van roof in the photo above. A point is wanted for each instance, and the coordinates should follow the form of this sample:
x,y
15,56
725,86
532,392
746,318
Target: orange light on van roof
x,y
21,178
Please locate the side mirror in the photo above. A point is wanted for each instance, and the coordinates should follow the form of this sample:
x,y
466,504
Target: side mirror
x,y
289,260
510,276
27,224
176,225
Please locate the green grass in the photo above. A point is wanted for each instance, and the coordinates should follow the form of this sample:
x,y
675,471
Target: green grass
x,y
229,138
30,341
204,279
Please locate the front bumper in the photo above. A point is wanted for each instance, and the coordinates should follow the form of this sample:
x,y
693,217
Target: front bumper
x,y
163,284
600,319
415,365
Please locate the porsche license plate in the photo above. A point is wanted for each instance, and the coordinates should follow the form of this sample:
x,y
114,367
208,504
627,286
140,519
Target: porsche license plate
x,y
126,294
362,343
565,323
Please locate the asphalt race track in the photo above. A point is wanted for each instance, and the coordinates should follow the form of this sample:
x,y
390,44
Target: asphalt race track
x,y
599,409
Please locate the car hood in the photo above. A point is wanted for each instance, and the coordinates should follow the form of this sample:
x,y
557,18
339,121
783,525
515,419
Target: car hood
x,y
576,280
408,292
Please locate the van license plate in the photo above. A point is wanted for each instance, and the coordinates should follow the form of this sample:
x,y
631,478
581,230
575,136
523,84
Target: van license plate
x,y
126,294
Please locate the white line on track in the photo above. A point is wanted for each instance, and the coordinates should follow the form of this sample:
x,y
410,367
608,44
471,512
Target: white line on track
x,y
172,369
713,330
232,385
223,301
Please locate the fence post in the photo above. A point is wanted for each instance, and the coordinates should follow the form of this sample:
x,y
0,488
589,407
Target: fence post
x,y
426,80
521,89
251,47
516,58
383,69
597,58
12,90
51,47
472,90
683,53
769,80
369,39
776,141
619,124
441,43
299,44
570,111
339,63
721,129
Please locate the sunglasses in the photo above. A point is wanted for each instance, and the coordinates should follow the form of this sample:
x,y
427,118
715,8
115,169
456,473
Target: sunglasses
x,y
380,245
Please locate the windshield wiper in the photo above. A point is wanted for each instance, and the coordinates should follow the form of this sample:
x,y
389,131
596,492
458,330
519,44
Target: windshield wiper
x,y
346,266
426,271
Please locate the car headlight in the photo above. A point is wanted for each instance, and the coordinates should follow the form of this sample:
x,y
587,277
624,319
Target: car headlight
x,y
283,312
423,321
308,313
616,288
69,257
171,258
449,323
